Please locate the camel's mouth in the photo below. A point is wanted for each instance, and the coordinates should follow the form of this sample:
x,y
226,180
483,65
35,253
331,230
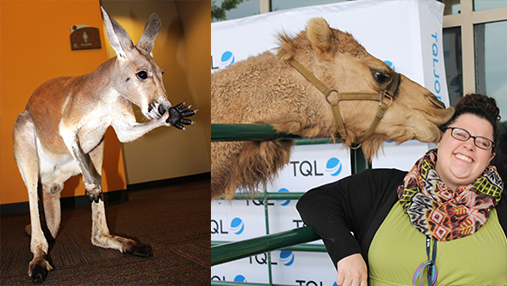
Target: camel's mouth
x,y
444,116
437,116
437,103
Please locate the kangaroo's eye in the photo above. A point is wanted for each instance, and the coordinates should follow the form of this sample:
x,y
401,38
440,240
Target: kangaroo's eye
x,y
142,75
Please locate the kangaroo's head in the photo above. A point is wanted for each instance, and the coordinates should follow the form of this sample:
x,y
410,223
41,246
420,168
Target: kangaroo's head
x,y
137,76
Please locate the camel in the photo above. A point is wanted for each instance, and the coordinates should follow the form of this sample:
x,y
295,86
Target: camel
x,y
286,90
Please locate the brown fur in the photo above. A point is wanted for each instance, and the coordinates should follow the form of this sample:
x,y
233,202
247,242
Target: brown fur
x,y
265,89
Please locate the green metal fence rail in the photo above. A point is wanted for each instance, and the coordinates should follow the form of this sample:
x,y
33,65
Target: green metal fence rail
x,y
300,247
268,195
246,248
246,132
294,240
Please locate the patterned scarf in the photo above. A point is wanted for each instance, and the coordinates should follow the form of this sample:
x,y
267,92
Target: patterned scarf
x,y
437,211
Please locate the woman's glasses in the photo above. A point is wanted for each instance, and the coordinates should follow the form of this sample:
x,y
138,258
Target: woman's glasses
x,y
463,135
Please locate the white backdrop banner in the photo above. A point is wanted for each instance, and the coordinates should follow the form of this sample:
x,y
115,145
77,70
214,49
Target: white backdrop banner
x,y
407,35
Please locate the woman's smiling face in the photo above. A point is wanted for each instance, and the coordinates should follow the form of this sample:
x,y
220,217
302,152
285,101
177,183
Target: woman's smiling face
x,y
459,163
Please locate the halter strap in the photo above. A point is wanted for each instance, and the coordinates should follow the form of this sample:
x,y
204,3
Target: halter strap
x,y
380,97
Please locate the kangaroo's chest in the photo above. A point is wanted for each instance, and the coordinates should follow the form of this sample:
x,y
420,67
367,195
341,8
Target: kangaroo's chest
x,y
93,128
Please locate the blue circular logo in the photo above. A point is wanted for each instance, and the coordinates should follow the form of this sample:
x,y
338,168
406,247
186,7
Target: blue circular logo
x,y
334,166
240,278
237,226
227,58
390,64
286,257
282,202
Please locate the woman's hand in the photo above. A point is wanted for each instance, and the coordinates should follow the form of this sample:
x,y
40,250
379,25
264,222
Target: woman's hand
x,y
352,271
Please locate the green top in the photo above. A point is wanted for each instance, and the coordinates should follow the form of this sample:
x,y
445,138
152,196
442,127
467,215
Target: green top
x,y
398,249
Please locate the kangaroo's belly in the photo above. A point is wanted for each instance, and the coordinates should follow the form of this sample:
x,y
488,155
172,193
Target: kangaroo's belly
x,y
55,168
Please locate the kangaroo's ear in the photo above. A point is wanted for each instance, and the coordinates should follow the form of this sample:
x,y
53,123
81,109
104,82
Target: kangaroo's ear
x,y
150,33
118,37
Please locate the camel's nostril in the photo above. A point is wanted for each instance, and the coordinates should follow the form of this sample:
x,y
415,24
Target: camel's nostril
x,y
437,103
161,109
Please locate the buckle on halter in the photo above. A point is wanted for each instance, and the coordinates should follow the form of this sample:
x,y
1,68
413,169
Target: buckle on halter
x,y
382,105
385,94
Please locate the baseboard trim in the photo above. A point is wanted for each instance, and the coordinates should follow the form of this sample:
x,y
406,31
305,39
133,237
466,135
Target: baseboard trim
x,y
66,203
168,182
112,197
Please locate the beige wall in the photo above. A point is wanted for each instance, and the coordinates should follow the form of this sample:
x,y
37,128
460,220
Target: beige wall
x,y
182,49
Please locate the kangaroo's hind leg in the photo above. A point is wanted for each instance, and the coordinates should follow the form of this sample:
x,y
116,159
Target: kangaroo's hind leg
x,y
25,151
52,208
100,232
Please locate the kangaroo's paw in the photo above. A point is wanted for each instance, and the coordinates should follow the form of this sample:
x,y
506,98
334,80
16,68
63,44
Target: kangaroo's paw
x,y
93,193
177,114
136,248
38,270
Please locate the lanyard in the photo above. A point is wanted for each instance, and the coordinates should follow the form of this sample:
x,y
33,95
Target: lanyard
x,y
429,264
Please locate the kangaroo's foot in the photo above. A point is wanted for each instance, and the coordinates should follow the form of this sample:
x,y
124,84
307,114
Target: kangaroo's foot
x,y
38,270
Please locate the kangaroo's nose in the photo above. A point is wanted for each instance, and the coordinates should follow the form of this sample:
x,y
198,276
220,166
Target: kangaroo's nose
x,y
161,109
157,107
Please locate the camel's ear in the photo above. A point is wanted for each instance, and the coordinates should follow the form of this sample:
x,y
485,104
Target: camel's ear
x,y
320,35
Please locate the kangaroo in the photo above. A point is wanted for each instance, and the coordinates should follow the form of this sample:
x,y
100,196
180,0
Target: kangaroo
x,y
61,134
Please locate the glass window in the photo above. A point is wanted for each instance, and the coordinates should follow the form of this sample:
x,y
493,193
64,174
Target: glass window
x,y
244,9
452,7
453,63
285,4
491,78
491,62
489,4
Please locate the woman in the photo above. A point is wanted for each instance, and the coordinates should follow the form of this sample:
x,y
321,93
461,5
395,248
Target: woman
x,y
442,223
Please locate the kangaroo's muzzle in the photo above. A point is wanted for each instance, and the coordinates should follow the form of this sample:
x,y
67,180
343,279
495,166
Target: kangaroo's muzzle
x,y
157,109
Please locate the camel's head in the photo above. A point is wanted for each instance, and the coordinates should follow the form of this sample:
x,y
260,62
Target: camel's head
x,y
339,61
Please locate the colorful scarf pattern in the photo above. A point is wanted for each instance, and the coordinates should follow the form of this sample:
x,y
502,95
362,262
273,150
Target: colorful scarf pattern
x,y
437,211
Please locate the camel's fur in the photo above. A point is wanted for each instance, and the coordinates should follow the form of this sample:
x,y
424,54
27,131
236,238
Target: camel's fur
x,y
265,89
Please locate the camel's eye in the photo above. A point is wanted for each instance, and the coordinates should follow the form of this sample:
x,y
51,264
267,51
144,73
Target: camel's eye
x,y
380,77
